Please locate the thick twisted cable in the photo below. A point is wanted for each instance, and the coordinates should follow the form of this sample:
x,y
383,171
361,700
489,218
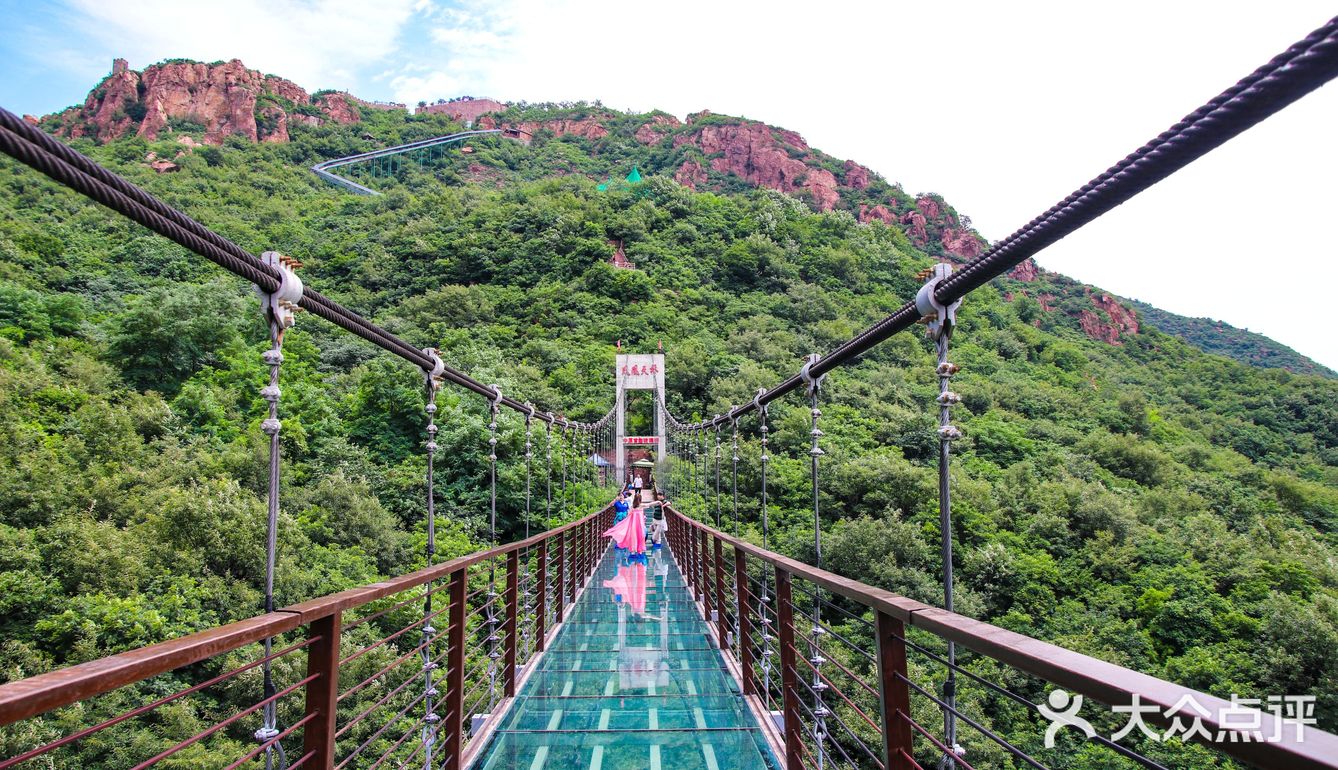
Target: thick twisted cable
x,y
1304,67
35,148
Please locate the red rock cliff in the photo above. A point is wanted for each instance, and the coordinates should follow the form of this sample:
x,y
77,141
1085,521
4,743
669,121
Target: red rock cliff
x,y
225,98
766,157
588,128
1109,322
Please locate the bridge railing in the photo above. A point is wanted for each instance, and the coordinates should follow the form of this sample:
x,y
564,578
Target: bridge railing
x,y
839,678
373,675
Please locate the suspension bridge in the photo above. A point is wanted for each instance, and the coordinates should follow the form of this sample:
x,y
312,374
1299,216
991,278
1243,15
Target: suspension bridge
x,y
716,653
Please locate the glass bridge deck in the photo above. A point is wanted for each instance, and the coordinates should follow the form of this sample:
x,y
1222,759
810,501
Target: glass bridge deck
x,y
632,681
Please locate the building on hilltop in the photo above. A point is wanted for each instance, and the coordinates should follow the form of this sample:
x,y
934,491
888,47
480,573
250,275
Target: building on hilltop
x,y
465,109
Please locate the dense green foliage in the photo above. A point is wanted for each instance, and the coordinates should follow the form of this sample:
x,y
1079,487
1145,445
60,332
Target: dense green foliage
x,y
1147,504
1226,340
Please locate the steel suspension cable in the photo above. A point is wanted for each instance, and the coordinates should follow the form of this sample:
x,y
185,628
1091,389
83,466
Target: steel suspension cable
x,y
35,148
1302,68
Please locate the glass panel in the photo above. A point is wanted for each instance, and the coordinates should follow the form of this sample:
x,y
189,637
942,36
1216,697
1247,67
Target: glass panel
x,y
632,680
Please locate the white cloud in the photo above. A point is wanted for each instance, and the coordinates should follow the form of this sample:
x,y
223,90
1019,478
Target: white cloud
x,y
320,44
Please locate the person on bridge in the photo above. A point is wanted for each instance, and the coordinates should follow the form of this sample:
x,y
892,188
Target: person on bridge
x,y
630,533
620,508
658,528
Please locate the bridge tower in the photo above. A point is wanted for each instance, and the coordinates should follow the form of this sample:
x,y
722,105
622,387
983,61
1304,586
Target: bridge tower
x,y
638,372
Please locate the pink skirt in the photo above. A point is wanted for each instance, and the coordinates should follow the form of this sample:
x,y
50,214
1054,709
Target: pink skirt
x,y
630,533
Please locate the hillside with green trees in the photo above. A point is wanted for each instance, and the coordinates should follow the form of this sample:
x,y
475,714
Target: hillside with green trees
x,y
1146,503
1224,339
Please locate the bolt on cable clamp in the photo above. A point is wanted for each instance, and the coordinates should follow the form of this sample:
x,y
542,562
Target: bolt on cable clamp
x,y
937,316
281,305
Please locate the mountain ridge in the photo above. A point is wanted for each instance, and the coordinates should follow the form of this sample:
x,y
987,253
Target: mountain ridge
x,y
706,151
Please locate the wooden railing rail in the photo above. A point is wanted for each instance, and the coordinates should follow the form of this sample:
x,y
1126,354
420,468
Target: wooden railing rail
x,y
1300,748
415,646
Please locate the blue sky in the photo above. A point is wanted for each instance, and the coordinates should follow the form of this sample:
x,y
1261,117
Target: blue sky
x,y
1001,107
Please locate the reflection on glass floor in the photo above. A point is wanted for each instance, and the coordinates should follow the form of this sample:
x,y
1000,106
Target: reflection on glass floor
x,y
632,681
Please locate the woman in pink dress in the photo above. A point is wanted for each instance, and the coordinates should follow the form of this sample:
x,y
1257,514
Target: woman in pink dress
x,y
630,533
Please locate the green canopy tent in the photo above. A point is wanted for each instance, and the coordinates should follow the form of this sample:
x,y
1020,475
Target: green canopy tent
x,y
632,178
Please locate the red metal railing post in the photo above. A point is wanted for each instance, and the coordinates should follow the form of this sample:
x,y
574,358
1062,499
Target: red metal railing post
x,y
745,622
573,554
789,675
453,743
560,585
894,693
690,542
583,559
589,529
541,597
577,574
511,624
707,596
721,633
323,693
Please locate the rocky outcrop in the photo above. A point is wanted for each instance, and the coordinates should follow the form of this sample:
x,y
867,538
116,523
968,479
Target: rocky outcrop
x,y
856,176
339,107
1109,321
655,129
586,128
690,174
1027,271
763,156
224,99
917,227
930,207
962,243
620,257
106,112
880,212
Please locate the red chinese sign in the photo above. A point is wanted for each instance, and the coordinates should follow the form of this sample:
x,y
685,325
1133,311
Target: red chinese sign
x,y
634,371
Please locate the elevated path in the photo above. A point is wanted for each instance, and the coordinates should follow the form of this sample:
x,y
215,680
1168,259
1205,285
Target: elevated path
x,y
632,680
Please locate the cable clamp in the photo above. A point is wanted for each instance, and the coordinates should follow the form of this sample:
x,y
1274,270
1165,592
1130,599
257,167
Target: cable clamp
x,y
757,401
812,385
433,375
937,316
281,305
496,397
